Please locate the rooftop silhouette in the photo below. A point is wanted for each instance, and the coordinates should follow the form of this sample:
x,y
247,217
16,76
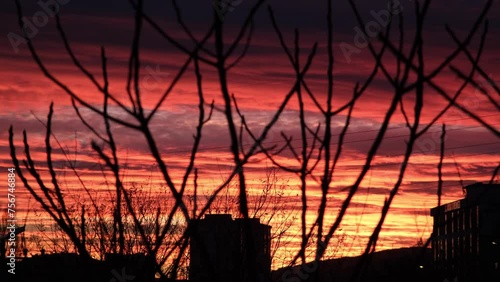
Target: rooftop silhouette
x,y
219,246
466,241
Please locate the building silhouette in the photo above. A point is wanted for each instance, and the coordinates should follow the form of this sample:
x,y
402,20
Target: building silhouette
x,y
219,246
466,235
71,267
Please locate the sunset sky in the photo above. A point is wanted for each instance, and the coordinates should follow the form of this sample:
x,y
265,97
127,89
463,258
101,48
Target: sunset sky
x,y
259,82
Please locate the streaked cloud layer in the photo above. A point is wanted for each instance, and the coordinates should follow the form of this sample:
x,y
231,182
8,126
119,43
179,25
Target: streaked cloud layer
x,y
259,83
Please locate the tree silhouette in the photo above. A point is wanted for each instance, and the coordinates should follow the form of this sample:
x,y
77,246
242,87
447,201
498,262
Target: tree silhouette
x,y
317,157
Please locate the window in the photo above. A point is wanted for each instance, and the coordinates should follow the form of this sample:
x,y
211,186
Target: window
x,y
477,217
473,217
453,241
445,224
445,250
464,220
477,245
452,221
470,218
470,243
